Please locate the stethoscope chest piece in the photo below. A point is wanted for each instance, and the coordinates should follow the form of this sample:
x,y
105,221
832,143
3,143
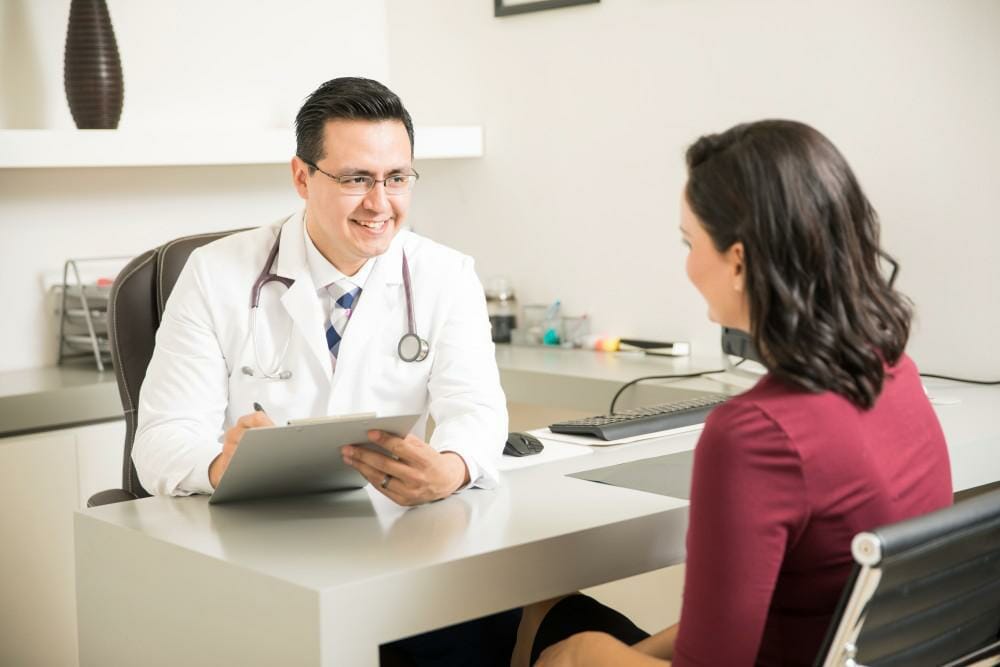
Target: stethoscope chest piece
x,y
412,347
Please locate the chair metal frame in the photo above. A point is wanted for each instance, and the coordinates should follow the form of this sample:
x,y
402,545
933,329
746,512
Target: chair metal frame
x,y
973,521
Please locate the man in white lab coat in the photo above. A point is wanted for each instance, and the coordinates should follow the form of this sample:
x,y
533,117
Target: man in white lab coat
x,y
331,342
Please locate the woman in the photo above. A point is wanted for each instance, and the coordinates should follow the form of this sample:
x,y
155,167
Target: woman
x,y
837,438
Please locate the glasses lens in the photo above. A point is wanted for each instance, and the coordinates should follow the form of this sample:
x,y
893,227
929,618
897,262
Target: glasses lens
x,y
398,183
356,185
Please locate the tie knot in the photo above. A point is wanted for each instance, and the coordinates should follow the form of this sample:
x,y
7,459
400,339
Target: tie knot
x,y
344,293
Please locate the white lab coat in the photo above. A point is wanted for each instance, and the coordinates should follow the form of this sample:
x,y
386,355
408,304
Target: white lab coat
x,y
195,388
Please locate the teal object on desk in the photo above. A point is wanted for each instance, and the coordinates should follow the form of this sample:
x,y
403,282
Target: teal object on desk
x,y
551,335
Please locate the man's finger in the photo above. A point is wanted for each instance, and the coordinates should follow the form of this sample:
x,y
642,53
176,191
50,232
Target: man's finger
x,y
254,420
380,462
373,475
245,422
391,443
396,489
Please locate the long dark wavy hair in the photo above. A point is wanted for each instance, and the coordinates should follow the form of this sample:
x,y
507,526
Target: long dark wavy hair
x,y
822,314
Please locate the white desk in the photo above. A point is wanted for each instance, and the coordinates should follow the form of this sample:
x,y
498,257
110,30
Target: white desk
x,y
324,580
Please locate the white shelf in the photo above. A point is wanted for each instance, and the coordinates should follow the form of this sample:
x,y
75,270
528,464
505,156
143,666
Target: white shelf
x,y
38,149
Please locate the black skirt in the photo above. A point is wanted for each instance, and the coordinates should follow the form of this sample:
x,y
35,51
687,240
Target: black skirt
x,y
579,613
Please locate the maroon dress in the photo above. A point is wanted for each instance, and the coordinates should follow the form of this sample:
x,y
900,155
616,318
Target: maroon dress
x,y
783,479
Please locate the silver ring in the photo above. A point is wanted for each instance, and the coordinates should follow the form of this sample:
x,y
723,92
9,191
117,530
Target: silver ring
x,y
385,481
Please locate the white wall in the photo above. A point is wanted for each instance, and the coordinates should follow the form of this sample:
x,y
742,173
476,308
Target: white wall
x,y
186,63
909,89
588,111
190,63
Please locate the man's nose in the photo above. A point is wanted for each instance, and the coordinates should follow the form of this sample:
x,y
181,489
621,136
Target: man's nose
x,y
377,199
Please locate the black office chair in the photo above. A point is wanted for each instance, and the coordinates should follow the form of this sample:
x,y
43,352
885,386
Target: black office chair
x,y
138,297
925,591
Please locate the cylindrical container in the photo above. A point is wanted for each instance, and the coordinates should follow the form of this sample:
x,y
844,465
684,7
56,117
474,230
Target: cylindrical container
x,y
533,322
92,68
502,307
575,330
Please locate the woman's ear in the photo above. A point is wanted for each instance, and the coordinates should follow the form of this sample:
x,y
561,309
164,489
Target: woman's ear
x,y
735,258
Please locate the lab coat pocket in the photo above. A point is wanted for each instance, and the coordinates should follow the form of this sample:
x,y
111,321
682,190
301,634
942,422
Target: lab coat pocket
x,y
401,384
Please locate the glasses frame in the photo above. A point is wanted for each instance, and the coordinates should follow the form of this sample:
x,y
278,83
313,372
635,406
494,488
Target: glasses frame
x,y
411,179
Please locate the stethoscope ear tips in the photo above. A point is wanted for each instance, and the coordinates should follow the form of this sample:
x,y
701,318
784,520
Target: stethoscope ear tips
x,y
283,375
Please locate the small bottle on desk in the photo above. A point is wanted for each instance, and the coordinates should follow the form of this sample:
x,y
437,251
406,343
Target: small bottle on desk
x,y
502,308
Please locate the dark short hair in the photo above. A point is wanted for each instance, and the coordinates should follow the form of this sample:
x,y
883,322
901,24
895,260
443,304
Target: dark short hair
x,y
822,313
346,98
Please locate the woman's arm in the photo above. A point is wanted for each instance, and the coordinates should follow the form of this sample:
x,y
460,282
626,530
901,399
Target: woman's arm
x,y
596,649
660,645
748,503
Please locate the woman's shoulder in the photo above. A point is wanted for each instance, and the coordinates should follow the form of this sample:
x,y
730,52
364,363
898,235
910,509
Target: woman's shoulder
x,y
771,416
745,422
807,417
755,406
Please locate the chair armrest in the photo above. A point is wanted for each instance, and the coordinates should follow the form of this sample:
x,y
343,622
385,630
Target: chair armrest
x,y
109,497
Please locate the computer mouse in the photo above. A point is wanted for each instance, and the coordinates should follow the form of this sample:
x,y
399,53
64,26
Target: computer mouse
x,y
522,444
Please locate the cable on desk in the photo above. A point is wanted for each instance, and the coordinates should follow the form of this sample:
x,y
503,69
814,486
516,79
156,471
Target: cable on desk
x,y
611,409
614,399
966,380
628,384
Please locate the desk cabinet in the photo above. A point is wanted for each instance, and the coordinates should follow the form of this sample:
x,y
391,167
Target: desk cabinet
x,y
44,478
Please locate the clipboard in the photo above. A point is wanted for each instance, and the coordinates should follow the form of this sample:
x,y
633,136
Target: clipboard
x,y
302,457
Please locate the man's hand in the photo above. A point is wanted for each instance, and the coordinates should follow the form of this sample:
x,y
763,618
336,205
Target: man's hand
x,y
231,441
416,473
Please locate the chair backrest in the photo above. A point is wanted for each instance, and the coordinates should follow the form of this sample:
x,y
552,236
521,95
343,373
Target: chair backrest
x,y
925,591
138,297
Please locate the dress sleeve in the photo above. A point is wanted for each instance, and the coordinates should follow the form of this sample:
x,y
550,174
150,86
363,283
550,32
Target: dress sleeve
x,y
748,505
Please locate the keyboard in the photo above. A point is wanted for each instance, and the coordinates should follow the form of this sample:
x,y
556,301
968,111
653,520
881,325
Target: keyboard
x,y
640,421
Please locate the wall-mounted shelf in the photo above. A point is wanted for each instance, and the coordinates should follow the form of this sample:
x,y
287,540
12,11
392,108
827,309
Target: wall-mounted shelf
x,y
37,149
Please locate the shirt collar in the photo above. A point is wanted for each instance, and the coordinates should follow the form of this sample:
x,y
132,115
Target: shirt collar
x,y
324,273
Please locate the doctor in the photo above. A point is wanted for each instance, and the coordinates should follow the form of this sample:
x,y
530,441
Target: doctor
x,y
334,310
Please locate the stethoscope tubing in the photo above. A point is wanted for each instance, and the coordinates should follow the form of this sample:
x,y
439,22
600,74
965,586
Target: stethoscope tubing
x,y
266,276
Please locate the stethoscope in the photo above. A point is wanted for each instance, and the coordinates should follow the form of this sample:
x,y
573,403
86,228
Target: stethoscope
x,y
411,347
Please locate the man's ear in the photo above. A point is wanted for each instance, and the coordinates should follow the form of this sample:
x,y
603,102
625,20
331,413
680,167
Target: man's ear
x,y
300,177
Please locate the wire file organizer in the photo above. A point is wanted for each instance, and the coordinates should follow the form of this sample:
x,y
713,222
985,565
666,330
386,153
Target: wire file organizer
x,y
83,312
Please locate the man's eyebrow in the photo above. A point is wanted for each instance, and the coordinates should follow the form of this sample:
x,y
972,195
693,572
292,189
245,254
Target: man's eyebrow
x,y
356,171
365,172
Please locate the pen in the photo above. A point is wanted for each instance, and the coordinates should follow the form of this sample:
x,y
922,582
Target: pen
x,y
258,407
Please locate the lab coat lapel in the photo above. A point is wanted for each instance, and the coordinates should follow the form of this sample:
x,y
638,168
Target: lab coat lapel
x,y
301,301
359,353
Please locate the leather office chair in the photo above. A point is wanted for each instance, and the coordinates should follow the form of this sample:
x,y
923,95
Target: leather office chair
x,y
925,591
138,297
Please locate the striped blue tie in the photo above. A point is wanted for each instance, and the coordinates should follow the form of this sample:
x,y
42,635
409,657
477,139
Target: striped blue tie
x,y
343,304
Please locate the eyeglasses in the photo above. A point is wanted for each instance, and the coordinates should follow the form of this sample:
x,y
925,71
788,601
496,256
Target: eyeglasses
x,y
359,184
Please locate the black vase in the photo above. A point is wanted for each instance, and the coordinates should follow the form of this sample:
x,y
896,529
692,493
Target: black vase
x,y
92,68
